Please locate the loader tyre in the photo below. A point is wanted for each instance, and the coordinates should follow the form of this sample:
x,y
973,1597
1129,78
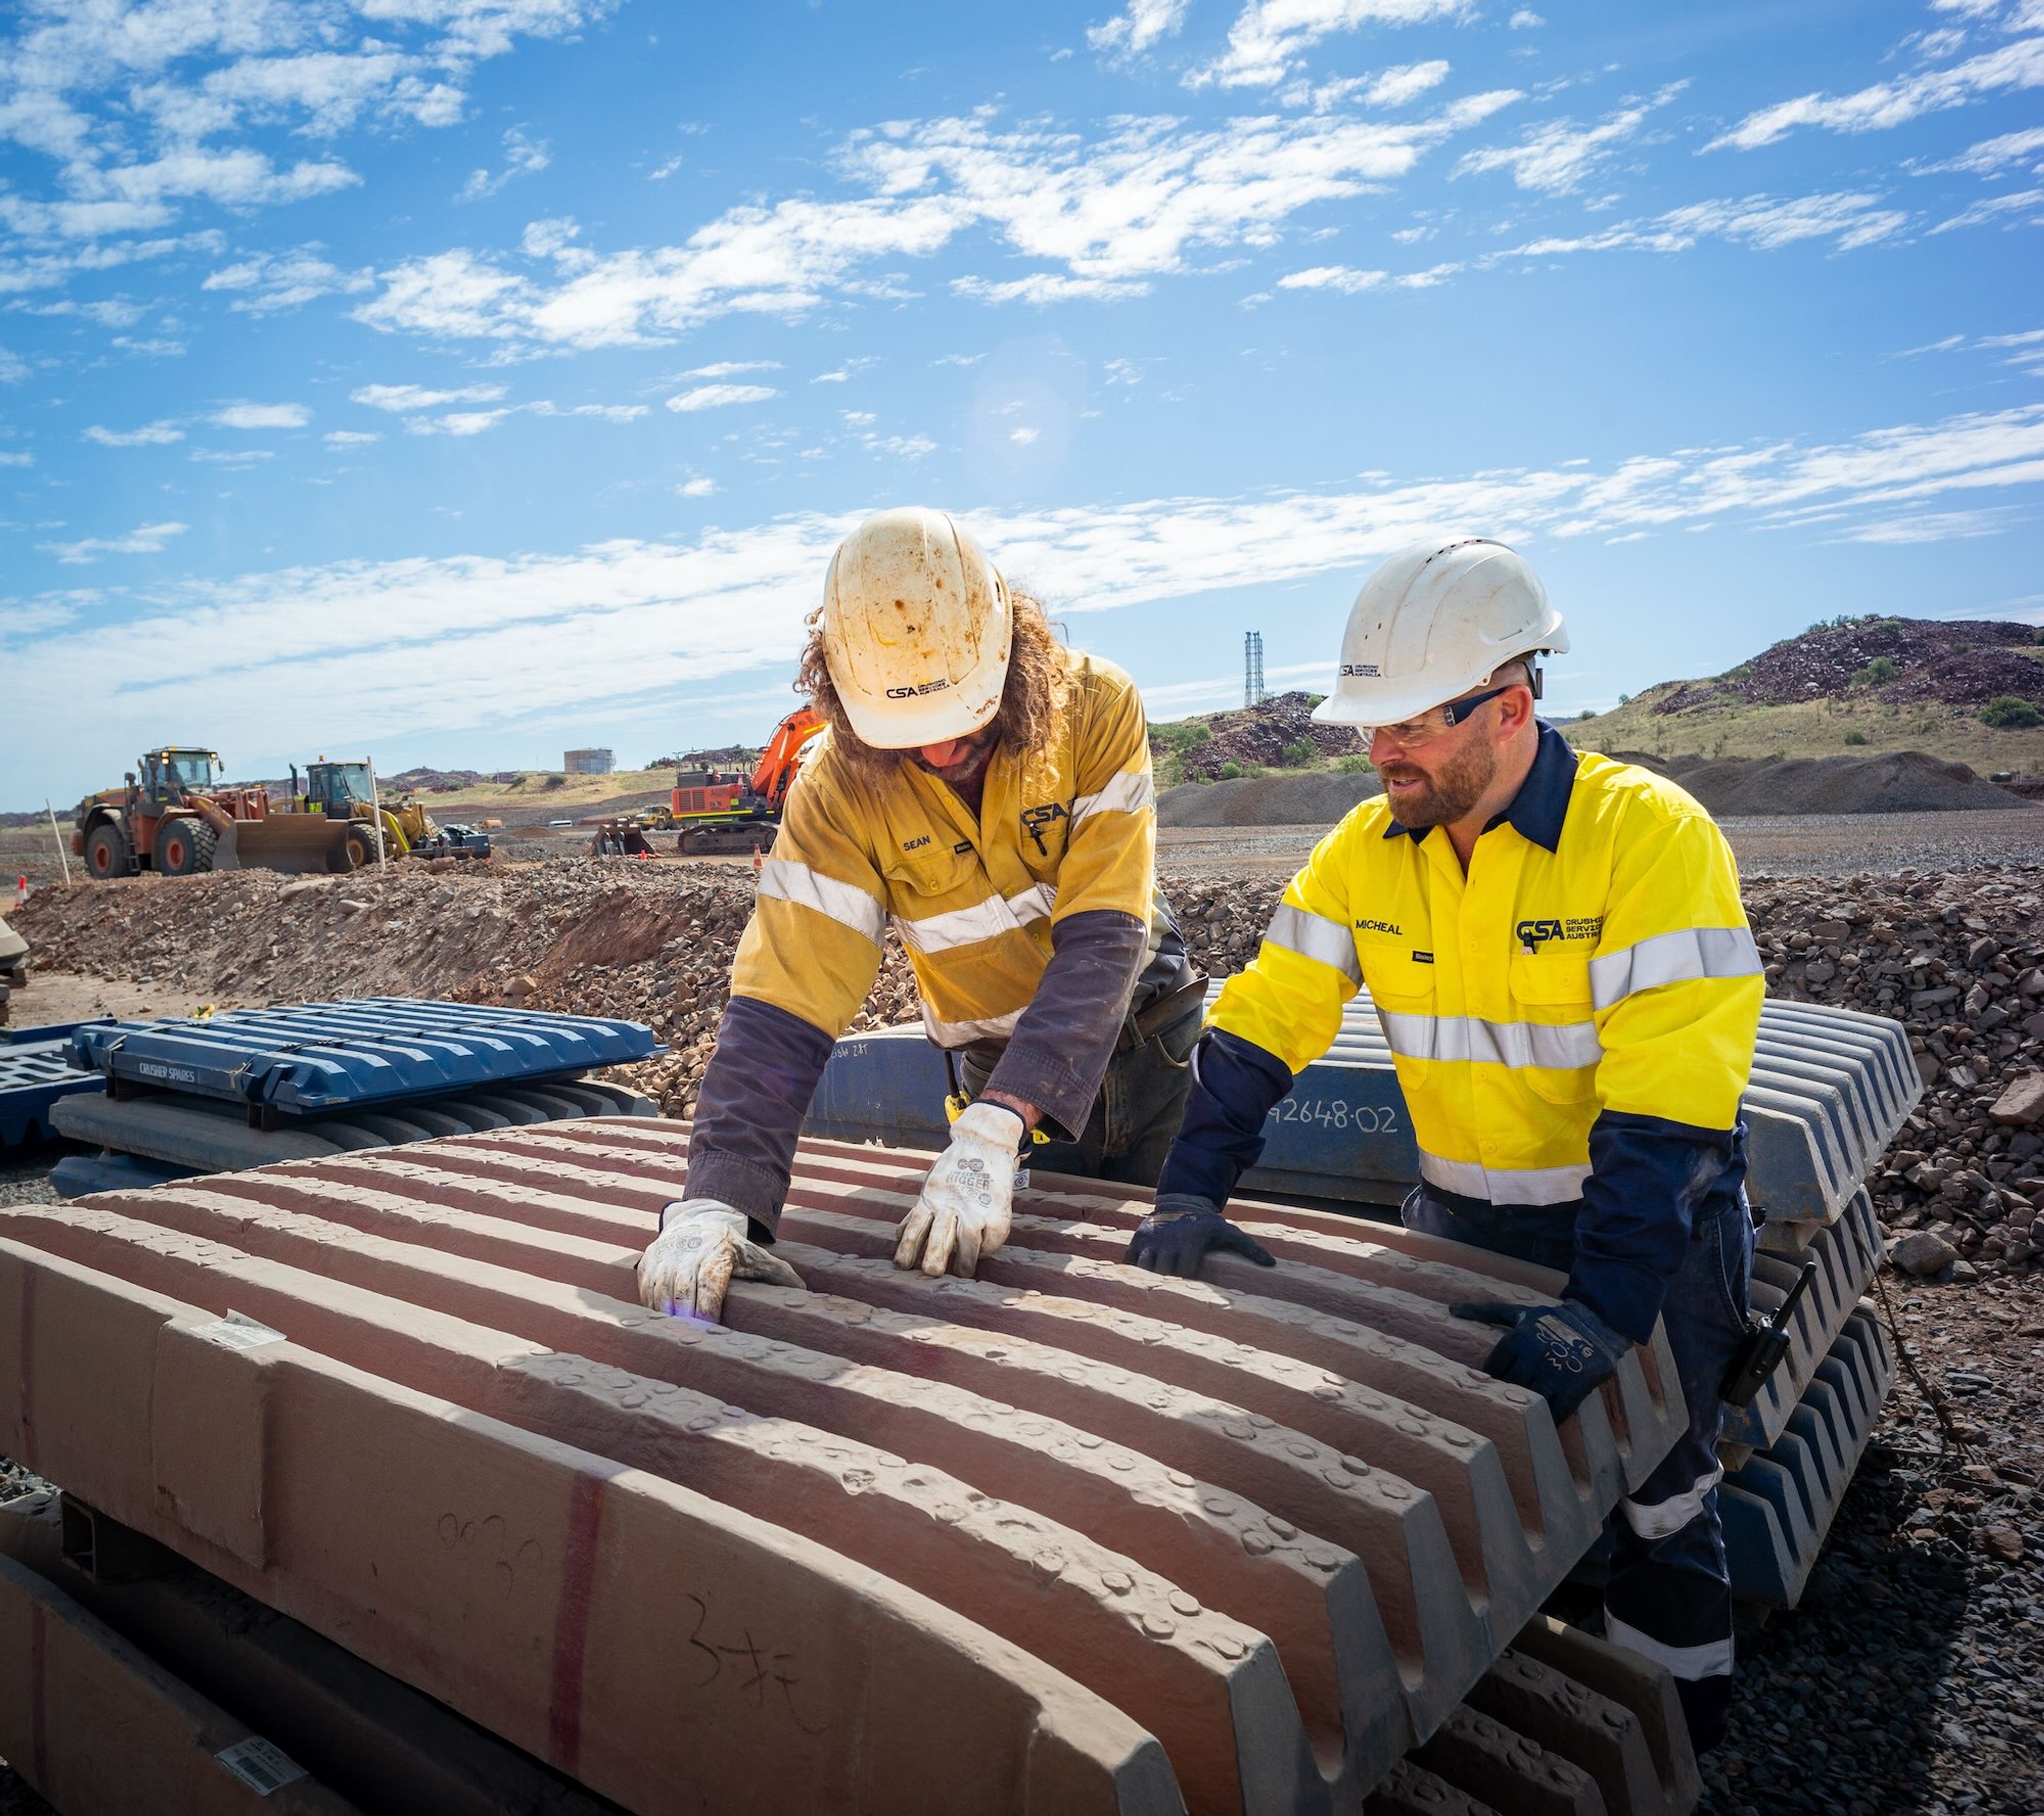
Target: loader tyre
x,y
361,846
107,853
184,847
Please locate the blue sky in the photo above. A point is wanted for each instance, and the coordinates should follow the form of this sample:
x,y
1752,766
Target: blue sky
x,y
464,379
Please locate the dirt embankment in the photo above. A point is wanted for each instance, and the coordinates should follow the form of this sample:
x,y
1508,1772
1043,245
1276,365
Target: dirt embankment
x,y
1906,781
1900,781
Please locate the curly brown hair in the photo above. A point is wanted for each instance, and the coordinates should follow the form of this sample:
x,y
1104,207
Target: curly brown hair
x,y
1030,699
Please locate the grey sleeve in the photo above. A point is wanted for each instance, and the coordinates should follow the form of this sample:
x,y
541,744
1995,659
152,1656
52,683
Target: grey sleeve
x,y
749,1113
1058,1053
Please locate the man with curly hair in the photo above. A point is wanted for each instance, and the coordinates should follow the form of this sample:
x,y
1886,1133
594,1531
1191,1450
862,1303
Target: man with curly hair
x,y
987,793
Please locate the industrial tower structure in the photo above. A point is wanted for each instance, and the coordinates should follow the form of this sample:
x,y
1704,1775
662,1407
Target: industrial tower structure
x,y
1252,669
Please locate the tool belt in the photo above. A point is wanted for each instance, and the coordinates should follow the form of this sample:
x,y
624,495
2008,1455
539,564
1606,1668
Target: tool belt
x,y
1168,1009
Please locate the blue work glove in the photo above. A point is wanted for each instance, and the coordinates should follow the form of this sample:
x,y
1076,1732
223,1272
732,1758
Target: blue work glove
x,y
1564,1352
1175,1237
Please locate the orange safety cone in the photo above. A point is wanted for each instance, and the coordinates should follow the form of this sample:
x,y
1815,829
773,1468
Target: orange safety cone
x,y
756,860
21,891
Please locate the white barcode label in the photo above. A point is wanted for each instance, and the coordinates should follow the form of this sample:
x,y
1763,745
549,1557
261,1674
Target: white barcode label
x,y
261,1766
236,1331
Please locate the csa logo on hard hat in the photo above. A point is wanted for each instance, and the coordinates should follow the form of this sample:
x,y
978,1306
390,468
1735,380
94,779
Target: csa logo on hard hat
x,y
1361,668
936,686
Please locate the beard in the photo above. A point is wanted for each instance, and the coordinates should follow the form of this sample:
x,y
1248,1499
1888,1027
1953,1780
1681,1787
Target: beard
x,y
1451,792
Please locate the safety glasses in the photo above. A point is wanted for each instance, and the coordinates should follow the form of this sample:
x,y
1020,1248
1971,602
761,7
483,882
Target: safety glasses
x,y
1409,733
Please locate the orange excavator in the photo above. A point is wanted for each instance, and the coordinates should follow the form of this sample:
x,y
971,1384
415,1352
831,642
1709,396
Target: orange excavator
x,y
720,811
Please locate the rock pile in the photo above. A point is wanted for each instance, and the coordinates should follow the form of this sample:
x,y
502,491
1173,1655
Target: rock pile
x,y
1957,958
1262,735
1953,662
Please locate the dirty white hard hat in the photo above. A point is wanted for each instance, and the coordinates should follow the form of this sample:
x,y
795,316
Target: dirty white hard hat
x,y
1431,623
917,630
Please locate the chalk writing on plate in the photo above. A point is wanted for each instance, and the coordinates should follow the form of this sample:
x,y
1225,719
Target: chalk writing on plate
x,y
759,1674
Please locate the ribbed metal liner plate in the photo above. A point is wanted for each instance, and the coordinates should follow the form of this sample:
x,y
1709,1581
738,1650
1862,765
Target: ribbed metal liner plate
x,y
309,1059
34,1071
1779,1505
1279,1520
1830,1089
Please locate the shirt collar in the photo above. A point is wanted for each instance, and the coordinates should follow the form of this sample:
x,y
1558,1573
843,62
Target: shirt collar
x,y
1542,803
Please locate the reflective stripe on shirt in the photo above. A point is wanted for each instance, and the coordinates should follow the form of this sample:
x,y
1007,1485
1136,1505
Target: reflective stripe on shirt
x,y
1559,1046
1128,792
964,1033
986,919
844,903
1502,1185
1314,936
1678,957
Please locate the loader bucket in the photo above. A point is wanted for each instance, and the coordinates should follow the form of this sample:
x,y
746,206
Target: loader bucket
x,y
303,844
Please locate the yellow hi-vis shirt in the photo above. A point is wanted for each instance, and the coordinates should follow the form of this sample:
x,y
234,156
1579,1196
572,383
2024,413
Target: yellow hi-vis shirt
x,y
1596,957
1066,830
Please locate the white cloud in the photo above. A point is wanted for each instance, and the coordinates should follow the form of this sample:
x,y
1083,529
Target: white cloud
x,y
604,412
718,396
1269,35
262,415
696,488
460,422
235,458
350,437
840,377
145,539
150,434
398,399
901,446
2023,209
1350,281
1849,220
522,157
2020,65
1394,87
137,112
1145,23
1044,287
1555,156
730,368
1525,20
270,282
541,631
14,457
1990,156
1139,201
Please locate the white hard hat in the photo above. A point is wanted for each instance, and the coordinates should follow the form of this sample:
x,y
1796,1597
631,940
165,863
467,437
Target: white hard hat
x,y
1432,623
917,630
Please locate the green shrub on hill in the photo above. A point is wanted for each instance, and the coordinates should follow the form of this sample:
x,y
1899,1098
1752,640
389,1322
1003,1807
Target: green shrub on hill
x,y
1355,763
1880,670
2009,712
1855,738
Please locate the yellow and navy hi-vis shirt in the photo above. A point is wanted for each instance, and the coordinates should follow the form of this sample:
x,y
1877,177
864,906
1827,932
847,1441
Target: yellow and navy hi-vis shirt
x,y
1593,971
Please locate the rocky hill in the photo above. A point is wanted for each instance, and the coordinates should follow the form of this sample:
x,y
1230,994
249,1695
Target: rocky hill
x,y
1969,690
1279,734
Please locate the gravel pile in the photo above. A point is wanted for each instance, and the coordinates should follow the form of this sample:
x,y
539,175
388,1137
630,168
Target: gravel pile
x,y
1900,781
1317,797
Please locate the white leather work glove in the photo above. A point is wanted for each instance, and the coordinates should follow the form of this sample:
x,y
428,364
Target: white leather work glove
x,y
704,1245
968,1198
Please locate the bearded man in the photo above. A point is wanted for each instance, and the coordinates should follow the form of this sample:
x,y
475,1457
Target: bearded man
x,y
987,793
1556,949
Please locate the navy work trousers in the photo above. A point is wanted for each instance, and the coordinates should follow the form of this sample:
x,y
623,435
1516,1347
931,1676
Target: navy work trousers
x,y
1669,1594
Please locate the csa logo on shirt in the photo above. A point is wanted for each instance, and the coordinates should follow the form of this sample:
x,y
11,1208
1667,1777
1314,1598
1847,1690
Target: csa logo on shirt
x,y
1038,820
1533,934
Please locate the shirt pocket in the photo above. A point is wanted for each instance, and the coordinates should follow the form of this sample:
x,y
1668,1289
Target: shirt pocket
x,y
1402,990
936,871
1550,998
